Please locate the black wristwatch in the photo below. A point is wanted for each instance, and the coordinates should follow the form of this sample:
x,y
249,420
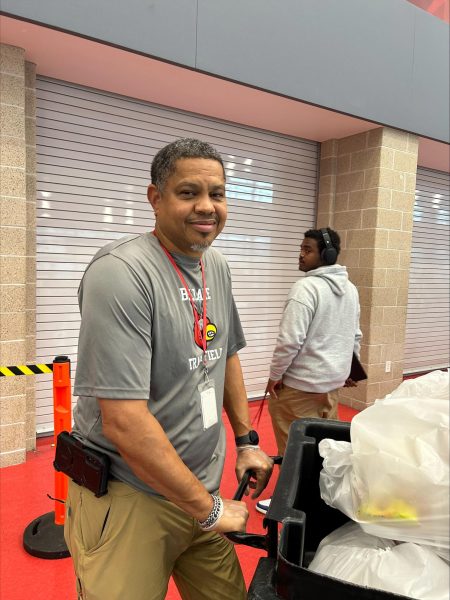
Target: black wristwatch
x,y
249,439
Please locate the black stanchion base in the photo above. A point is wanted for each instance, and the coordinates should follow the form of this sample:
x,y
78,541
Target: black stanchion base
x,y
44,539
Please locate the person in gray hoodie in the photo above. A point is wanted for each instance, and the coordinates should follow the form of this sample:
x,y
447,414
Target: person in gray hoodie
x,y
319,331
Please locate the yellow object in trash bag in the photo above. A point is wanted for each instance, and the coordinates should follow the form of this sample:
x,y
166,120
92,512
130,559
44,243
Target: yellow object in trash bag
x,y
397,509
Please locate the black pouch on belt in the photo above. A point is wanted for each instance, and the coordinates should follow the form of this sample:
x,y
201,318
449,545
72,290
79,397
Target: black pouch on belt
x,y
87,467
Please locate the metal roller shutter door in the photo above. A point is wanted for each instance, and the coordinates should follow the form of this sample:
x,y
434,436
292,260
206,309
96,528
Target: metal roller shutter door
x,y
94,151
427,325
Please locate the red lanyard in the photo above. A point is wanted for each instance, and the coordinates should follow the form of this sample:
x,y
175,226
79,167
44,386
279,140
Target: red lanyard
x,y
197,316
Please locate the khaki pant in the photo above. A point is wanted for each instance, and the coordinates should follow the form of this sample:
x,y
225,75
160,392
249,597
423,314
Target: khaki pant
x,y
126,545
294,404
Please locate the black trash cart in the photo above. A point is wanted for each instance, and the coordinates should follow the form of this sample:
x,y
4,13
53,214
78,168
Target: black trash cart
x,y
296,522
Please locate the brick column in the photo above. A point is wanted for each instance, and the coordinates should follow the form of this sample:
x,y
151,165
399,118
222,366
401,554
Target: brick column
x,y
30,282
366,192
17,159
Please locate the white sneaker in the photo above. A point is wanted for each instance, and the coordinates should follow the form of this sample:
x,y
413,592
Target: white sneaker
x,y
263,506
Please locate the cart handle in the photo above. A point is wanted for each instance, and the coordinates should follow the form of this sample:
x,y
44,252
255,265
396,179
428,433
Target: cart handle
x,y
254,540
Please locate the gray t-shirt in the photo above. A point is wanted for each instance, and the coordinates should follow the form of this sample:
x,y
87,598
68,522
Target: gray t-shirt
x,y
137,342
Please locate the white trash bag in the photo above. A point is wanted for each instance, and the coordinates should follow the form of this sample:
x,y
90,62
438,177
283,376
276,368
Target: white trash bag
x,y
393,478
338,482
350,554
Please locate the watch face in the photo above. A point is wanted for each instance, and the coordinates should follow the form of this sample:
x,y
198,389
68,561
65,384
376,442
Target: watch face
x,y
253,437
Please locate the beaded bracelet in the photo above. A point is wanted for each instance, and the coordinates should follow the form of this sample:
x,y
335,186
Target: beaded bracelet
x,y
247,447
214,515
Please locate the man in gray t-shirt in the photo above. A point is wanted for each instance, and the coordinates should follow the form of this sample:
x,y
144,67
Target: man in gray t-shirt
x,y
157,362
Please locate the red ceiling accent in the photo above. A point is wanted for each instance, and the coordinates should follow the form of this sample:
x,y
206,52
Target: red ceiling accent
x,y
438,8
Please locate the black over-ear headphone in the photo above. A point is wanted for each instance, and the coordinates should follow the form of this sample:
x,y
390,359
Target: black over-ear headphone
x,y
329,253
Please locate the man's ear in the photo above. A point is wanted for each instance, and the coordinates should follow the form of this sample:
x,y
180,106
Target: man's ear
x,y
154,197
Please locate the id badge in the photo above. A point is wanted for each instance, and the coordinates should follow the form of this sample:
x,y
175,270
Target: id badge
x,y
208,403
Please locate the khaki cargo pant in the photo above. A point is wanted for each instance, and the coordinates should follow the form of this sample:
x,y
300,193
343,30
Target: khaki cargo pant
x,y
126,545
294,404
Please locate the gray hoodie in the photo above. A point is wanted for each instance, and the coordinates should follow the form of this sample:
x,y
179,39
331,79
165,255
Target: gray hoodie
x,y
319,331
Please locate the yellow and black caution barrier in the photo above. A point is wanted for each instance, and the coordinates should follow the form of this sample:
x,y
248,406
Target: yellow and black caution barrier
x,y
44,536
25,370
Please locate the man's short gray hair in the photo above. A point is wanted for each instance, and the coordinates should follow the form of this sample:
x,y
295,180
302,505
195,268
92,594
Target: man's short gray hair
x,y
164,163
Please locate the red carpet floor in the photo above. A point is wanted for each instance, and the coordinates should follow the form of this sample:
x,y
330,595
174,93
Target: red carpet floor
x,y
23,498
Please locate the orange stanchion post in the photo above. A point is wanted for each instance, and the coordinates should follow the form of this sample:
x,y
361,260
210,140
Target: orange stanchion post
x,y
62,413
44,536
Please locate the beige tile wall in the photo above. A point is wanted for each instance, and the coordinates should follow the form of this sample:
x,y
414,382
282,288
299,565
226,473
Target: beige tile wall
x,y
366,192
30,250
17,251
